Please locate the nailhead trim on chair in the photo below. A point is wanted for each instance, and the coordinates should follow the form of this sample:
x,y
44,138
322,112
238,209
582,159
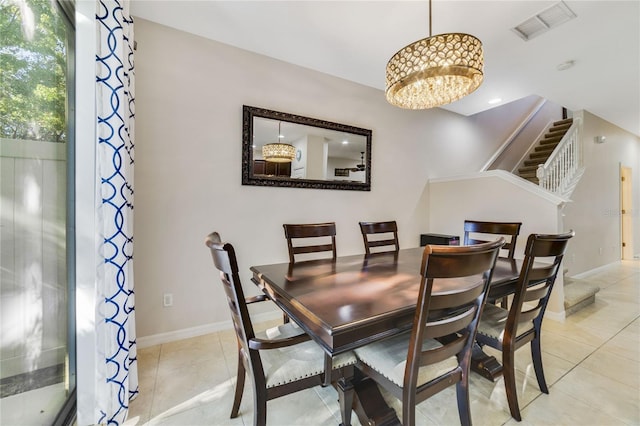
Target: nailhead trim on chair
x,y
295,362
388,357
493,322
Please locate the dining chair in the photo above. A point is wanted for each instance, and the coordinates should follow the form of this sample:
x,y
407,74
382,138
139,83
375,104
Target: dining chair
x,y
509,330
380,234
281,360
437,353
310,238
509,230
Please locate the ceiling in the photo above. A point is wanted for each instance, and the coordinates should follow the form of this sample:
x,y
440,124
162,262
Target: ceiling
x,y
355,39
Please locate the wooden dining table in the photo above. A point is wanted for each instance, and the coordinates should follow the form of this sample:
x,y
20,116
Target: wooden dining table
x,y
359,299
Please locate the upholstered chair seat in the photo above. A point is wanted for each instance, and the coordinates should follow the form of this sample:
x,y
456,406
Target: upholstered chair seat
x,y
292,363
494,319
389,358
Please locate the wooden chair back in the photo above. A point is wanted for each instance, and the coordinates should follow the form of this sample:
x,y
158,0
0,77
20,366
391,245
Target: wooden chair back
x,y
310,238
509,230
380,234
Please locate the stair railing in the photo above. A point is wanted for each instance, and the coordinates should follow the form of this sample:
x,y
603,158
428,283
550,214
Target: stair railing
x,y
564,165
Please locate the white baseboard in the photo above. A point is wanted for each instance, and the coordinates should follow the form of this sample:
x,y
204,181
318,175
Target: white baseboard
x,y
171,336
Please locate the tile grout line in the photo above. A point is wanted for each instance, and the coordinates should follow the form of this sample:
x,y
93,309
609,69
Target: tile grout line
x,y
155,384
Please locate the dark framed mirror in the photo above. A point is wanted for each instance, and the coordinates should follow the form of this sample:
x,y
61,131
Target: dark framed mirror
x,y
288,150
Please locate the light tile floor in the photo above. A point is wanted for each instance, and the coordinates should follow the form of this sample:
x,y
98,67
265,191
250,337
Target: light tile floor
x,y
591,361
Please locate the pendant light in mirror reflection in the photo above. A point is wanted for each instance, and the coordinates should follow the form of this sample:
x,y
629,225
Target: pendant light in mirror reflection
x,y
279,152
434,71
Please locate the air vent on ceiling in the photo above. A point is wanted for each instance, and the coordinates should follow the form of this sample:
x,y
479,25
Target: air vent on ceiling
x,y
542,22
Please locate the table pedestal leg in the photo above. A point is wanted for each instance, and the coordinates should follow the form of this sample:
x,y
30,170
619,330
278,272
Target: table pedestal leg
x,y
485,365
370,407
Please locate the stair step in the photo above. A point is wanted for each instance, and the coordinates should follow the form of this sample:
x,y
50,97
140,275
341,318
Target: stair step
x,y
534,163
560,128
546,148
563,122
554,135
539,155
550,141
528,175
528,169
578,294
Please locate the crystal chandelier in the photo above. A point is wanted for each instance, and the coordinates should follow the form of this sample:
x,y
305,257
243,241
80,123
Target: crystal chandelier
x,y
278,152
434,71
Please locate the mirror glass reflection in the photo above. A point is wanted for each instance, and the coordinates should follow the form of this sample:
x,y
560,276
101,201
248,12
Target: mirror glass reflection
x,y
281,149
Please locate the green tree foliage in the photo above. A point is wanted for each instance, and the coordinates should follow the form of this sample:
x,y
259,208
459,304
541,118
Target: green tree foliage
x,y
32,71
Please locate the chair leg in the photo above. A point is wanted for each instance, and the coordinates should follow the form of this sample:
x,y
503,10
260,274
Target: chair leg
x,y
239,387
464,408
409,409
509,374
259,405
536,355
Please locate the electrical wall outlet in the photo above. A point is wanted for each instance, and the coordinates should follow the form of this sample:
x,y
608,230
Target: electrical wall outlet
x,y
167,300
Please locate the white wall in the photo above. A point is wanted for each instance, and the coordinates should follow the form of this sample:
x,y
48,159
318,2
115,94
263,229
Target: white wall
x,y
594,212
189,97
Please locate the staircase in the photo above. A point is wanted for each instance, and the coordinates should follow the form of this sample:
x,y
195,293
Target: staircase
x,y
544,149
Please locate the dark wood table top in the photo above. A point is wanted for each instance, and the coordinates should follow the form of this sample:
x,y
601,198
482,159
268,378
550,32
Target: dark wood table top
x,y
359,299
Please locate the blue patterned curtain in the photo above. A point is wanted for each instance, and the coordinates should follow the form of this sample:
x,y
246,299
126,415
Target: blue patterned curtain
x,y
117,376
